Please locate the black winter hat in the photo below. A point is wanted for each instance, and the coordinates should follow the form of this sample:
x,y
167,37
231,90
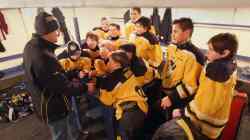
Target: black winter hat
x,y
45,23
73,47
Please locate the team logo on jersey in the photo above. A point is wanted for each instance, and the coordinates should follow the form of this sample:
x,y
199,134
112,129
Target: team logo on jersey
x,y
72,47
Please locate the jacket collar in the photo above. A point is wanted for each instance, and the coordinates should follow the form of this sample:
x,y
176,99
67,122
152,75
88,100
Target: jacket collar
x,y
150,37
46,44
114,38
183,45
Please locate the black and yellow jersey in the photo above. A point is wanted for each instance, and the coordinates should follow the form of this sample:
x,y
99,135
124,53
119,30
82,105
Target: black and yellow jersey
x,y
117,41
101,33
210,108
180,71
82,64
100,67
148,48
142,70
130,28
122,86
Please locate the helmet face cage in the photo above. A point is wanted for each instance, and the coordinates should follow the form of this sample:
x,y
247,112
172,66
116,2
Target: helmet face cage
x,y
73,48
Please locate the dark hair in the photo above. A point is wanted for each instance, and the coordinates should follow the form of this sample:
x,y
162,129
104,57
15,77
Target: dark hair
x,y
185,24
117,26
121,57
130,47
225,41
92,35
145,22
138,9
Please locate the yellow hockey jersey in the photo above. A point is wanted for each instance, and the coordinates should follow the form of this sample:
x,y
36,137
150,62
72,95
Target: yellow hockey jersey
x,y
210,108
100,67
123,86
101,34
130,28
82,64
117,42
148,48
180,71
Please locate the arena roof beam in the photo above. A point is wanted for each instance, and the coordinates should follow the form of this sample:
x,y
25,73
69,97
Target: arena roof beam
x,y
170,3
125,3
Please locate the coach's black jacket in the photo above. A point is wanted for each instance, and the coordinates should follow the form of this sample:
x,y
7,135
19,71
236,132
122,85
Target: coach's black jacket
x,y
47,81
